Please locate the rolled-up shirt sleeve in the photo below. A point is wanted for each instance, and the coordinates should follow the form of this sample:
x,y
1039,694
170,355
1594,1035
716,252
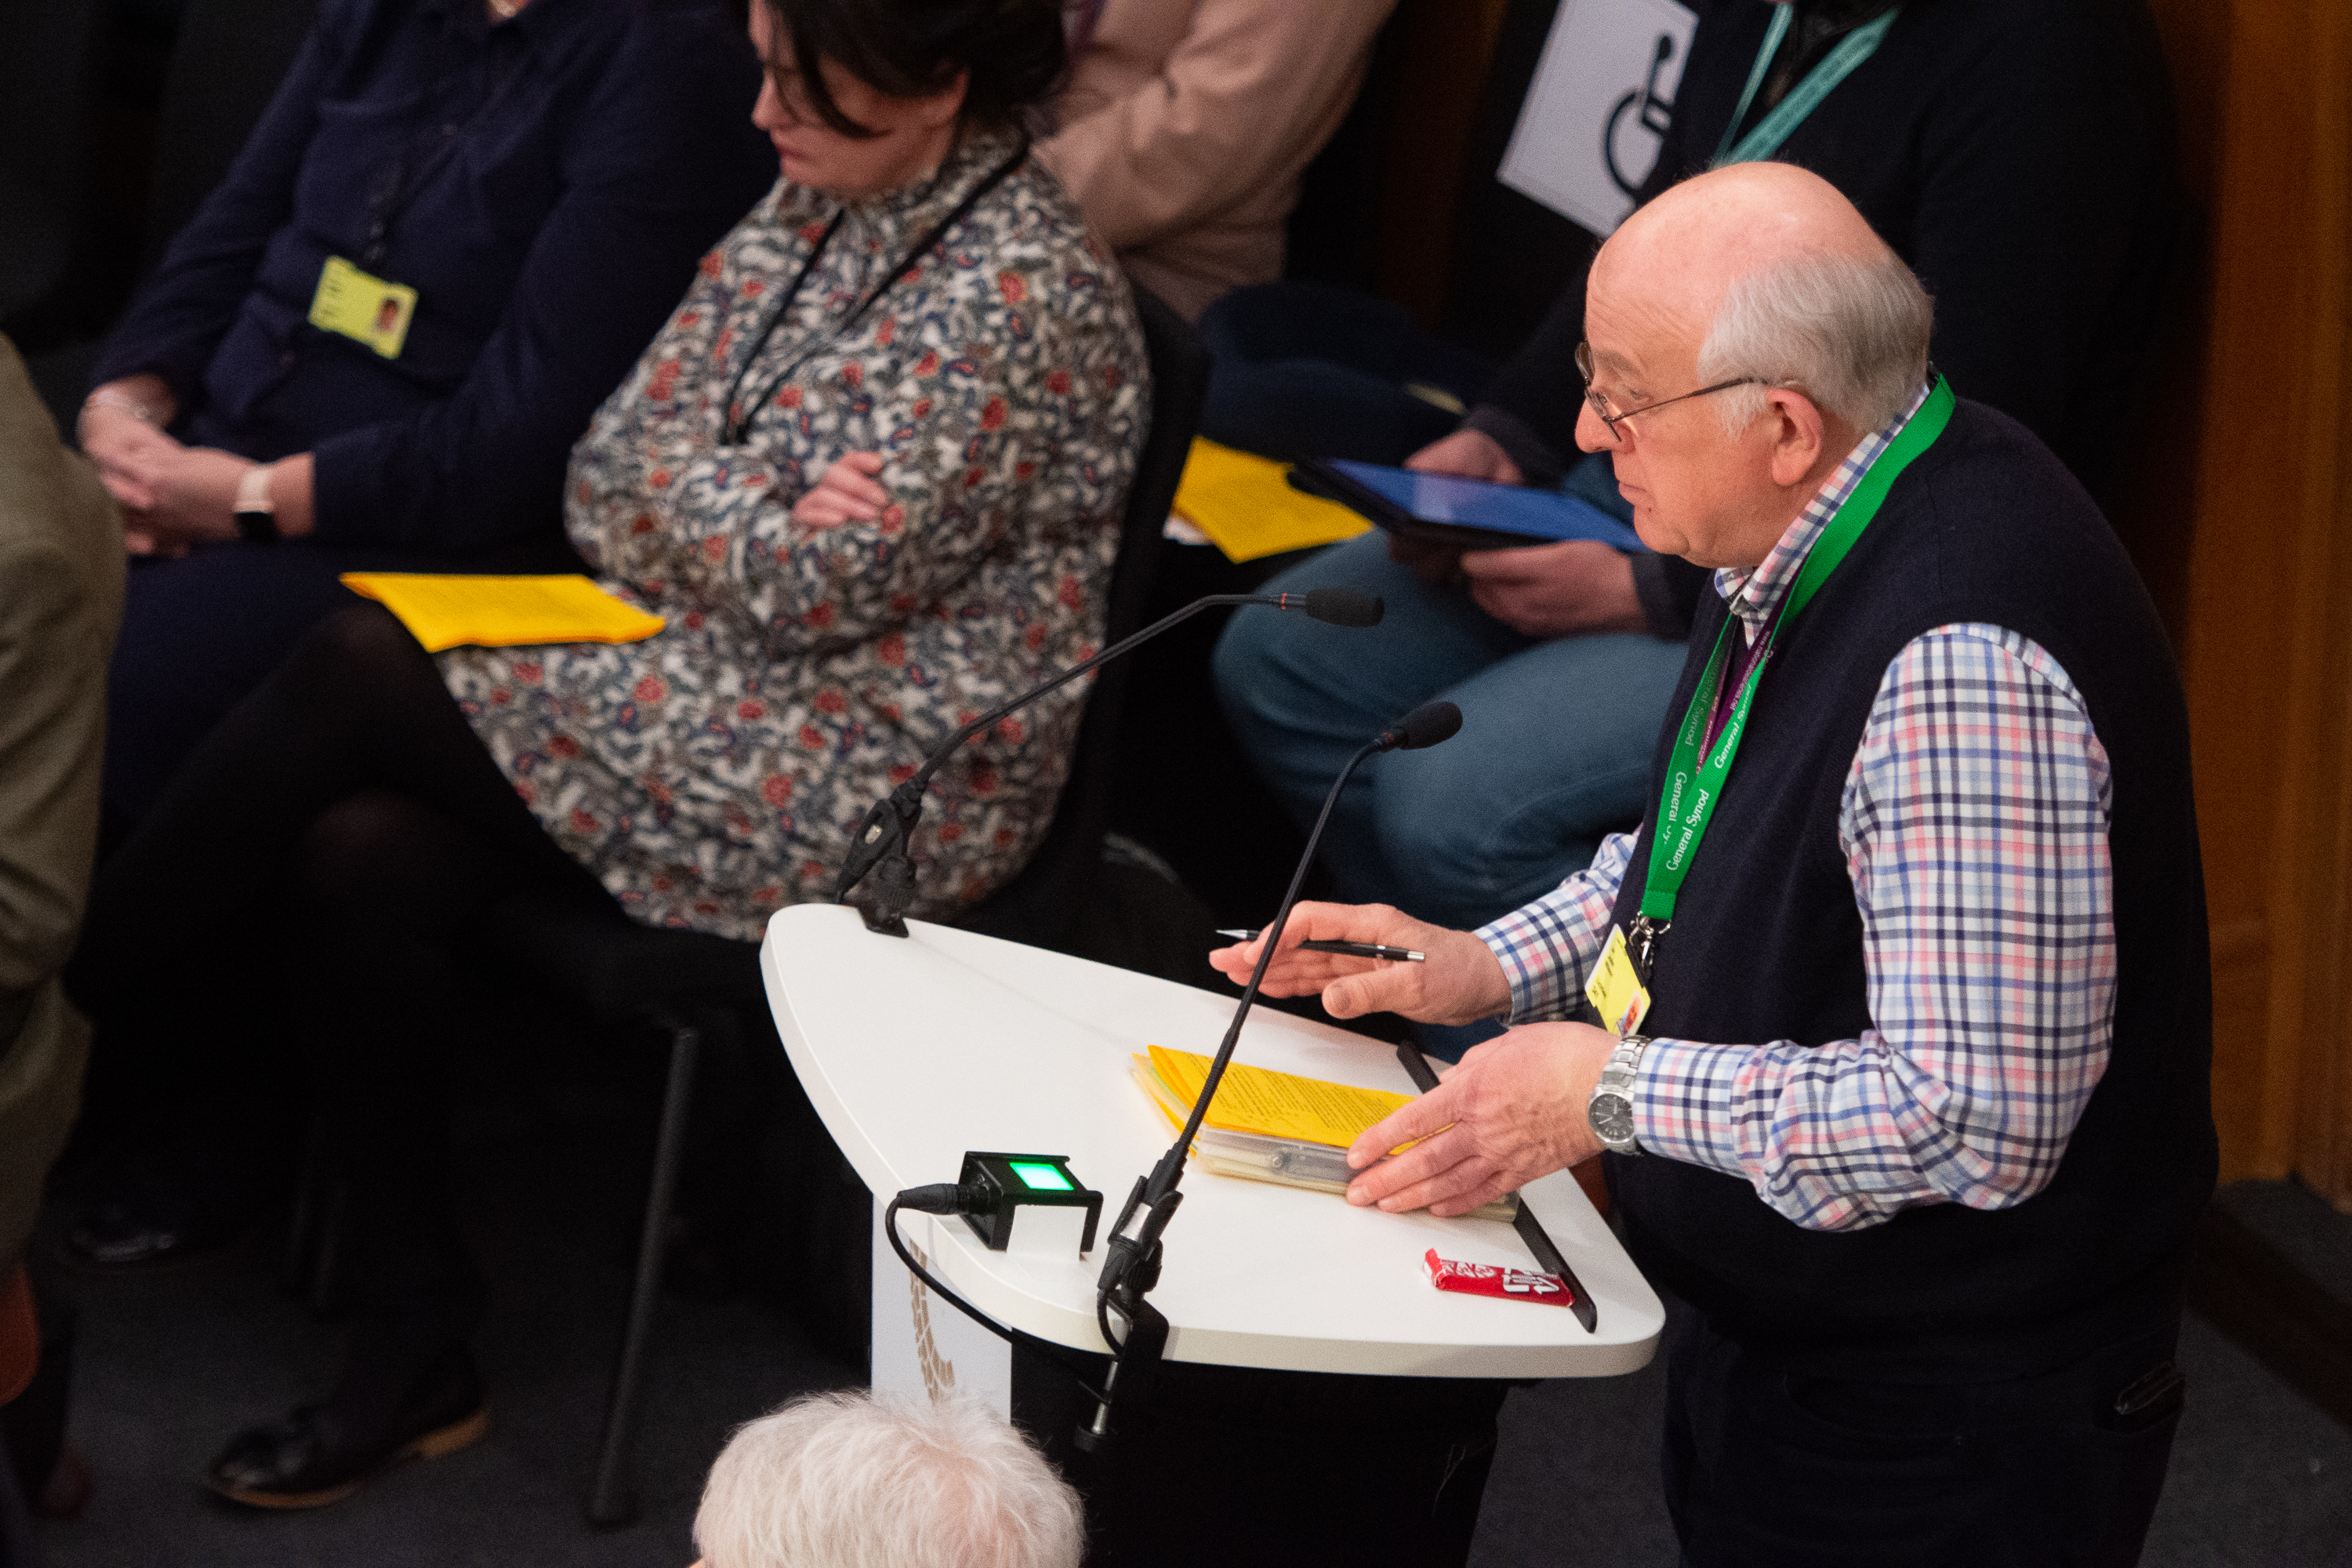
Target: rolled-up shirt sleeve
x,y
1974,824
1547,947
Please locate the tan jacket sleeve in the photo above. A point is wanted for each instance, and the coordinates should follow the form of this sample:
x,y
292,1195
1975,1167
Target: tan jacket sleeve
x,y
60,597
1242,102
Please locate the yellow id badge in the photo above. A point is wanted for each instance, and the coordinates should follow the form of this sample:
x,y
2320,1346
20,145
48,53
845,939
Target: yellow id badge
x,y
1615,989
365,309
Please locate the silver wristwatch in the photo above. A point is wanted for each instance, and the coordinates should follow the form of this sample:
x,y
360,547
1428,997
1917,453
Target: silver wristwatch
x,y
1611,1107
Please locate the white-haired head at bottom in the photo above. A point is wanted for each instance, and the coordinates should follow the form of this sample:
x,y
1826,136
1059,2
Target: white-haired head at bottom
x,y
858,1480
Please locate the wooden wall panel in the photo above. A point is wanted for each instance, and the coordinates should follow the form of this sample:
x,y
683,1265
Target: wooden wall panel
x,y
2241,520
1448,42
2323,977
2267,117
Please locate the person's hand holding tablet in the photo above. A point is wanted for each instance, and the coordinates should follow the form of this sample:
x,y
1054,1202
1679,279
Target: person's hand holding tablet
x,y
1572,588
1577,587
1474,455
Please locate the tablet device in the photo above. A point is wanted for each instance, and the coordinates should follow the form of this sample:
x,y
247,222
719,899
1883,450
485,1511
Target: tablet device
x,y
1461,513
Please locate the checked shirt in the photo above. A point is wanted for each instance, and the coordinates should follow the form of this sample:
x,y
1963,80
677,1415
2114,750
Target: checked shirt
x,y
1974,824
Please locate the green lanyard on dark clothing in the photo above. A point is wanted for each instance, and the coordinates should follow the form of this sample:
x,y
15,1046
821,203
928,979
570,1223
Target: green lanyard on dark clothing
x,y
1790,112
1694,776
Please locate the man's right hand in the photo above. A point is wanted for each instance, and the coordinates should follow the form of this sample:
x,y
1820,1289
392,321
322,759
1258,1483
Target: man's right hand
x,y
1459,981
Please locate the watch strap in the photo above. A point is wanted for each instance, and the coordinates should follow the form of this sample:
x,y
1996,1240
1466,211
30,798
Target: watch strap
x,y
256,514
1625,1064
1618,1076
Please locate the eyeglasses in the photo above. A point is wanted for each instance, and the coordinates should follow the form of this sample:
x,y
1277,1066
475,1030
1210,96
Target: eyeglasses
x,y
1611,417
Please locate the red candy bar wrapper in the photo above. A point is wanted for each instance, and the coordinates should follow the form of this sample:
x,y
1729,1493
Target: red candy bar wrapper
x,y
1493,1279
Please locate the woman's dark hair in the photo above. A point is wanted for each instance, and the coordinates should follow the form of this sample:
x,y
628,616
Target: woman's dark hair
x,y
1012,52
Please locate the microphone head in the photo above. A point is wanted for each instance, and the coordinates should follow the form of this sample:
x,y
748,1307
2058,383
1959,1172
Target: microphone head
x,y
1427,725
1344,606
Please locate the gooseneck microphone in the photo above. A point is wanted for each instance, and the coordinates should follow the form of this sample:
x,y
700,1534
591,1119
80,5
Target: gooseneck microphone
x,y
1427,725
879,845
1132,1266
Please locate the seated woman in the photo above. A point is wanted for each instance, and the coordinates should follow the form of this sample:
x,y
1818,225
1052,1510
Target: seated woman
x,y
871,473
447,239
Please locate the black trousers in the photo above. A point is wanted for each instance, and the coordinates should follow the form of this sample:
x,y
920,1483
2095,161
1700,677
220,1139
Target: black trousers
x,y
316,877
202,631
1765,1466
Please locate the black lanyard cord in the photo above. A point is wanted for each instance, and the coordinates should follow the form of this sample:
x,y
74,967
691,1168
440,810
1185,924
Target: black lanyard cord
x,y
402,187
737,425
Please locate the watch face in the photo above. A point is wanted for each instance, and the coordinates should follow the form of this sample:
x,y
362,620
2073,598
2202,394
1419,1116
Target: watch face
x,y
1612,1117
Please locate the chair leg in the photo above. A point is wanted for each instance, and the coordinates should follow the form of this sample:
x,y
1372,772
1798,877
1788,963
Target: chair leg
x,y
613,1501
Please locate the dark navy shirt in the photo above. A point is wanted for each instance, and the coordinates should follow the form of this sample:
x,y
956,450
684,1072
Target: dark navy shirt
x,y
545,185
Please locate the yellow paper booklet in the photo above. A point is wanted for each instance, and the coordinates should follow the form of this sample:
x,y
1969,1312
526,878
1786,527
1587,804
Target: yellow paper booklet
x,y
1275,1126
445,611
1246,507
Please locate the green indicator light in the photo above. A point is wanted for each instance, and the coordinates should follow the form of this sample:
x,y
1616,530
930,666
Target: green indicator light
x,y
1041,1178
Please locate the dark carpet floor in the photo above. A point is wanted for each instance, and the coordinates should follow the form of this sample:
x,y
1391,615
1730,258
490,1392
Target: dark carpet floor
x,y
170,1360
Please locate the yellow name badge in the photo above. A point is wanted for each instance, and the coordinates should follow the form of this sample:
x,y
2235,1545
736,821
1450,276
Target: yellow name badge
x,y
1615,989
362,308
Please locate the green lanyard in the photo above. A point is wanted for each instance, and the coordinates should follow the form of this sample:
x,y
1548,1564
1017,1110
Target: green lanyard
x,y
1694,782
1790,112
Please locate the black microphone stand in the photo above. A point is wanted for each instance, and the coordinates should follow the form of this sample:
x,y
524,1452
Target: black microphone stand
x,y
880,845
1132,1267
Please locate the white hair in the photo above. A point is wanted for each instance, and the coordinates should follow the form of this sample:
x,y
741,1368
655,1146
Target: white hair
x,y
1850,335
853,1480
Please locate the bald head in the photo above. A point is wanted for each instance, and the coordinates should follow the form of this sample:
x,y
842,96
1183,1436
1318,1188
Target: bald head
x,y
1776,277
1688,247
1761,289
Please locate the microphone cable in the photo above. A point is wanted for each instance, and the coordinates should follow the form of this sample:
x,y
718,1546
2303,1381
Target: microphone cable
x,y
948,1198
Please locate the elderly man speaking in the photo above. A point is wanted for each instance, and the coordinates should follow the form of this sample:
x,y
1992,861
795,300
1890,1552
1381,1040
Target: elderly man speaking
x,y
1902,1085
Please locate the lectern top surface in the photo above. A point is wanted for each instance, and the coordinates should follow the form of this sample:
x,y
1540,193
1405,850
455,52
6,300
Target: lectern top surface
x,y
915,1049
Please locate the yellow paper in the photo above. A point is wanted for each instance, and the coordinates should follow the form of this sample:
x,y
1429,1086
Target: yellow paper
x,y
444,611
1146,1078
1615,989
1246,507
362,308
1274,1104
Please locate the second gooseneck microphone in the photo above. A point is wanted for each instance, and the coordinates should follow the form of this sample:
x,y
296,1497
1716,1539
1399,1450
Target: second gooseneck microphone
x,y
880,845
1132,1266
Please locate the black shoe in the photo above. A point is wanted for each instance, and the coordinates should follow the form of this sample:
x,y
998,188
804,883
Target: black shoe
x,y
152,1228
314,1456
183,1196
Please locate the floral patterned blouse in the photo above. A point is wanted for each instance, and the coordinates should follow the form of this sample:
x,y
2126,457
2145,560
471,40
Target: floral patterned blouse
x,y
715,770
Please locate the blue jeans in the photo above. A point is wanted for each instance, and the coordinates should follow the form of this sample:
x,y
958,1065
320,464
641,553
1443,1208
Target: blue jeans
x,y
1554,750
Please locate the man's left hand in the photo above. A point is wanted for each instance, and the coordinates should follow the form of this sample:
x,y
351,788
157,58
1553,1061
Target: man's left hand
x,y
1579,587
1512,1112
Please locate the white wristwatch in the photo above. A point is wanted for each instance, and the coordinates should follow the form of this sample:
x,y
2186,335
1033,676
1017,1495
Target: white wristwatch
x,y
256,515
1611,1107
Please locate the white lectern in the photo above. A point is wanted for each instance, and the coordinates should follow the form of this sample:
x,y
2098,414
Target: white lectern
x,y
914,1050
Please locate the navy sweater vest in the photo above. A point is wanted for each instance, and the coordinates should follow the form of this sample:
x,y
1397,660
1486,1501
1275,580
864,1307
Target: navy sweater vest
x,y
1766,945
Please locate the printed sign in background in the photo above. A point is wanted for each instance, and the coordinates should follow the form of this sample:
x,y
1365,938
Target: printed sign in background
x,y
1594,117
